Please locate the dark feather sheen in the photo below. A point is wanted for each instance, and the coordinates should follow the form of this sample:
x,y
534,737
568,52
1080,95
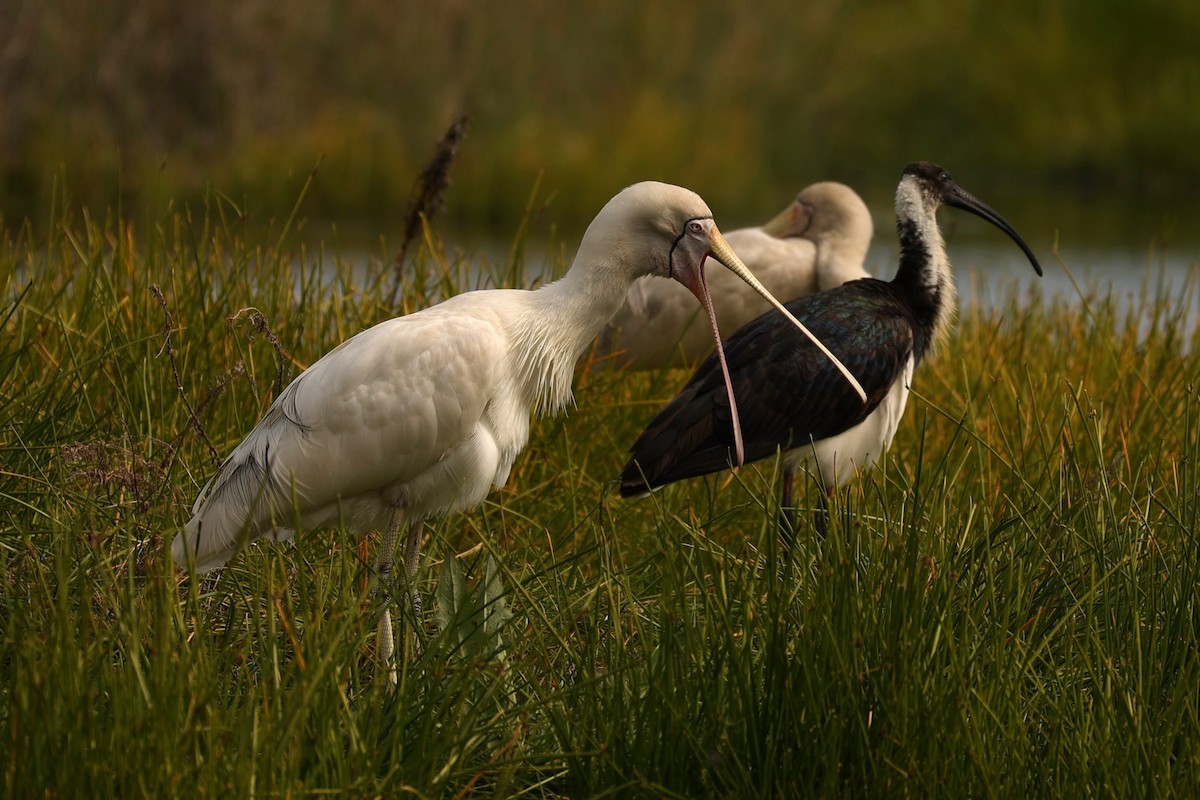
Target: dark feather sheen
x,y
788,393
867,323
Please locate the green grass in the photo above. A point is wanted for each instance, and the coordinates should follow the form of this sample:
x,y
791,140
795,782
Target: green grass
x,y
1007,607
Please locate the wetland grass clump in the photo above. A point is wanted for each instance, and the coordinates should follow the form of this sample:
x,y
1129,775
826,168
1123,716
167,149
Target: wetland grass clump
x,y
1006,607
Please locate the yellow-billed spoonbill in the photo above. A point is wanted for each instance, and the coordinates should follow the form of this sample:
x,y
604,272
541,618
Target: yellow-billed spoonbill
x,y
423,414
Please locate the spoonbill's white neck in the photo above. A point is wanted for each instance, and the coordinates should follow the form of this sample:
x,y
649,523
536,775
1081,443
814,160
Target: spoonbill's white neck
x,y
559,322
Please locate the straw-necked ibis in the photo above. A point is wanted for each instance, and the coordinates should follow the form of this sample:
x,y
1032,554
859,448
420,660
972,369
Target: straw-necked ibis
x,y
790,399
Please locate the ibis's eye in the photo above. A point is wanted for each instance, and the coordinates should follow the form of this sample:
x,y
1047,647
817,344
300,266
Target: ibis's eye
x,y
695,226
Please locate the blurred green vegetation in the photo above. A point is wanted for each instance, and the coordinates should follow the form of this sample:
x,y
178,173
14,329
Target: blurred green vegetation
x,y
137,100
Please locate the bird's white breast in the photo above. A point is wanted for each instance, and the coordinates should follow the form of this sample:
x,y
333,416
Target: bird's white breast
x,y
842,457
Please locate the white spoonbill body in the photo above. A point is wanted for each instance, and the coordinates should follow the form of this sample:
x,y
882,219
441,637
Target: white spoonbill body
x,y
789,398
423,414
818,242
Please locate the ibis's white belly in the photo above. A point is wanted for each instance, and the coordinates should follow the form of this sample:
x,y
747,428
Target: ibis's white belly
x,y
841,458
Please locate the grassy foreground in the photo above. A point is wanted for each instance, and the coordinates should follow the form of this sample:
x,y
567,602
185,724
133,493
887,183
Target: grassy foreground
x,y
1006,608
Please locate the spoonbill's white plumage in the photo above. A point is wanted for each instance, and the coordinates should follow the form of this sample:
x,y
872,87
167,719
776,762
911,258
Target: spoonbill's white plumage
x,y
423,414
818,242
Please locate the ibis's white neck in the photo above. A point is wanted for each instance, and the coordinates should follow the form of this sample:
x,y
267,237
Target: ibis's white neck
x,y
924,267
560,321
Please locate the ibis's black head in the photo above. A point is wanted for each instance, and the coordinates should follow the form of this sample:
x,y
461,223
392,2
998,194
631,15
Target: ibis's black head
x,y
937,187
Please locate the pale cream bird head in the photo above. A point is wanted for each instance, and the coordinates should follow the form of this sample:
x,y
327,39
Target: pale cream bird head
x,y
824,211
836,212
658,229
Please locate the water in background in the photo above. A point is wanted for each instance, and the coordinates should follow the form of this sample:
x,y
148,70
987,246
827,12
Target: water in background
x,y
1122,262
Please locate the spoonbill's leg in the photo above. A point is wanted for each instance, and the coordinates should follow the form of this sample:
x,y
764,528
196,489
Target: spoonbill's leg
x,y
412,560
383,571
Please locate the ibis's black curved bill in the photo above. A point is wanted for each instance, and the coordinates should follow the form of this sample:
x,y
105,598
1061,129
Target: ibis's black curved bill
x,y
960,198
